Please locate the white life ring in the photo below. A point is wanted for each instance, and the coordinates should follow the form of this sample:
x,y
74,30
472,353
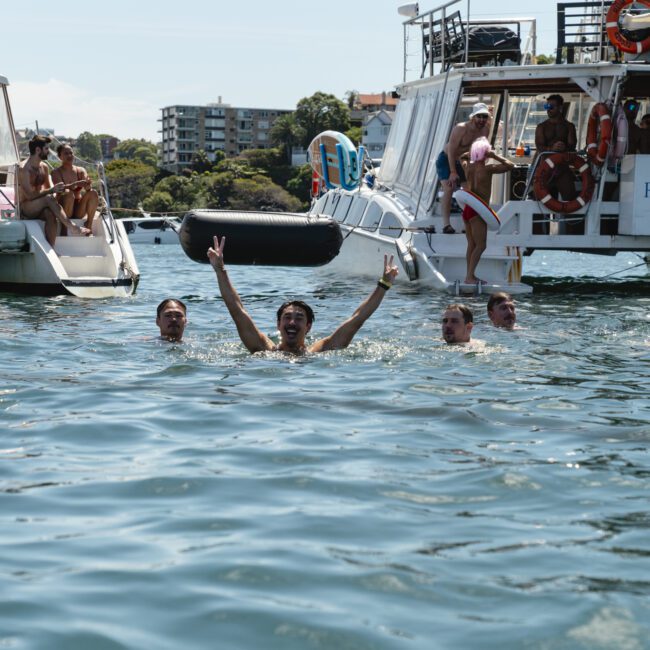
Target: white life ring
x,y
465,197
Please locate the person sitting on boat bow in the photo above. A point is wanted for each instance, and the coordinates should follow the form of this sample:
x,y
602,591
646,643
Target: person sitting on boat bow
x,y
295,318
36,191
80,200
448,166
171,318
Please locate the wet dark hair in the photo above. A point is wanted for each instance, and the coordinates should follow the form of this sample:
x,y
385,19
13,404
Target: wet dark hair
x,y
60,148
166,301
38,142
558,99
468,317
302,305
496,299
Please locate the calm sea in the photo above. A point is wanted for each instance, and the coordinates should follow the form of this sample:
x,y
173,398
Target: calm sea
x,y
397,494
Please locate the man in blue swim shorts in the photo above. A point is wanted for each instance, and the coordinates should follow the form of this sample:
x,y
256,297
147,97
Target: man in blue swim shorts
x,y
460,140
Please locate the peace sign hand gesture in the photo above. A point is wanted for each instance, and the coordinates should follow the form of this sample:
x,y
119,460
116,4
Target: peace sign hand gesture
x,y
215,254
390,270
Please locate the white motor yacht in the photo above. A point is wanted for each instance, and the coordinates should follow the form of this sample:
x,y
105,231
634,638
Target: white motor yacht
x,y
604,60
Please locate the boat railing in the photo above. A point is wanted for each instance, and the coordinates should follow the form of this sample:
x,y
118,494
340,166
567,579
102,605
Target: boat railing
x,y
443,38
582,34
109,220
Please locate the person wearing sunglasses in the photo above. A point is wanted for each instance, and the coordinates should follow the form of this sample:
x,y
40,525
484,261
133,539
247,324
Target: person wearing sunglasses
x,y
557,134
448,165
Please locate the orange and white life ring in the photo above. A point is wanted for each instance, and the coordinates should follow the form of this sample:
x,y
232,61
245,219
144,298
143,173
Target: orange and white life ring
x,y
465,197
543,176
599,133
616,36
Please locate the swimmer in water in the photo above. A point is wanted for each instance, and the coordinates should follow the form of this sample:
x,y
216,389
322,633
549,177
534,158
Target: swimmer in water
x,y
501,310
457,324
171,318
295,318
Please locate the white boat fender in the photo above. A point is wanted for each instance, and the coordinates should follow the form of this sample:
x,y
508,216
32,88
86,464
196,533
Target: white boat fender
x,y
465,197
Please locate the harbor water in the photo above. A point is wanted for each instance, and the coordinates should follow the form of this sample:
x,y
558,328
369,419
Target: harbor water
x,y
397,494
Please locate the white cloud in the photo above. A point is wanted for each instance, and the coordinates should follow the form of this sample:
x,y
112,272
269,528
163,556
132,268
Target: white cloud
x,y
69,110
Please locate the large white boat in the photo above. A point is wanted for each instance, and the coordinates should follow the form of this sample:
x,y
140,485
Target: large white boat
x,y
401,212
152,230
89,267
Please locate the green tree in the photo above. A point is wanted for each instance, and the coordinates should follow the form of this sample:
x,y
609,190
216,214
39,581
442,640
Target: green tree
x,y
300,184
159,202
354,133
200,162
352,99
260,193
141,150
216,190
88,147
129,182
545,59
321,112
286,133
184,191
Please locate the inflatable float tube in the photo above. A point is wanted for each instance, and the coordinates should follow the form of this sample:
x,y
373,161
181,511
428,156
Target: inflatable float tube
x,y
265,238
465,197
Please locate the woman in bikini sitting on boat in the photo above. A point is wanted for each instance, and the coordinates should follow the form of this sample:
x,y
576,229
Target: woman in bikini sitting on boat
x,y
479,181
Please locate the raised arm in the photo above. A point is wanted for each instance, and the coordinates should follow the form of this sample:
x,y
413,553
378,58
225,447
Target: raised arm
x,y
503,164
345,332
251,337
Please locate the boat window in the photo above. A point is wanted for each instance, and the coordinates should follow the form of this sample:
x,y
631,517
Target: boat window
x,y
390,226
357,210
342,208
331,199
129,226
150,224
371,218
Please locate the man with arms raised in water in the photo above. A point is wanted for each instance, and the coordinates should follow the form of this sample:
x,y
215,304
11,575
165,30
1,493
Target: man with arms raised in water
x,y
80,200
450,171
457,323
171,318
36,191
501,310
295,318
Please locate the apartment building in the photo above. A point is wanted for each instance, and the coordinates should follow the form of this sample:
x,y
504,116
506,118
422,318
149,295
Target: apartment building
x,y
215,127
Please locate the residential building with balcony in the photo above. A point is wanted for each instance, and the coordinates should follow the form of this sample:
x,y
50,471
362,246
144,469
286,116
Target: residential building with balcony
x,y
215,127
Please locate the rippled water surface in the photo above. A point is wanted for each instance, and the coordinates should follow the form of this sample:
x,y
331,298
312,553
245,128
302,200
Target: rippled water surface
x,y
397,494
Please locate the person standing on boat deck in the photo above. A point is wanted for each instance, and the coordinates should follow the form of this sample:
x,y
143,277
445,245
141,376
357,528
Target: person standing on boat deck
x,y
448,167
35,191
171,318
295,318
457,324
79,201
479,180
557,134
501,310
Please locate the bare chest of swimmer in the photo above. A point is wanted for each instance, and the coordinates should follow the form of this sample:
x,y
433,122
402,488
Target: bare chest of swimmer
x,y
468,137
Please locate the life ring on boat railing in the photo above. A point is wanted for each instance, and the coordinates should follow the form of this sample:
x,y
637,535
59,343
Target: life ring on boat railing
x,y
542,177
615,34
599,133
467,198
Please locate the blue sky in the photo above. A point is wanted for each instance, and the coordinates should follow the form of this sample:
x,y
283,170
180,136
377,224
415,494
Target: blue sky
x,y
109,67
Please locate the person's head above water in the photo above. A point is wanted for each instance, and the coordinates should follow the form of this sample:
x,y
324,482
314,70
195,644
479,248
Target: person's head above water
x,y
501,310
295,319
457,323
171,318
